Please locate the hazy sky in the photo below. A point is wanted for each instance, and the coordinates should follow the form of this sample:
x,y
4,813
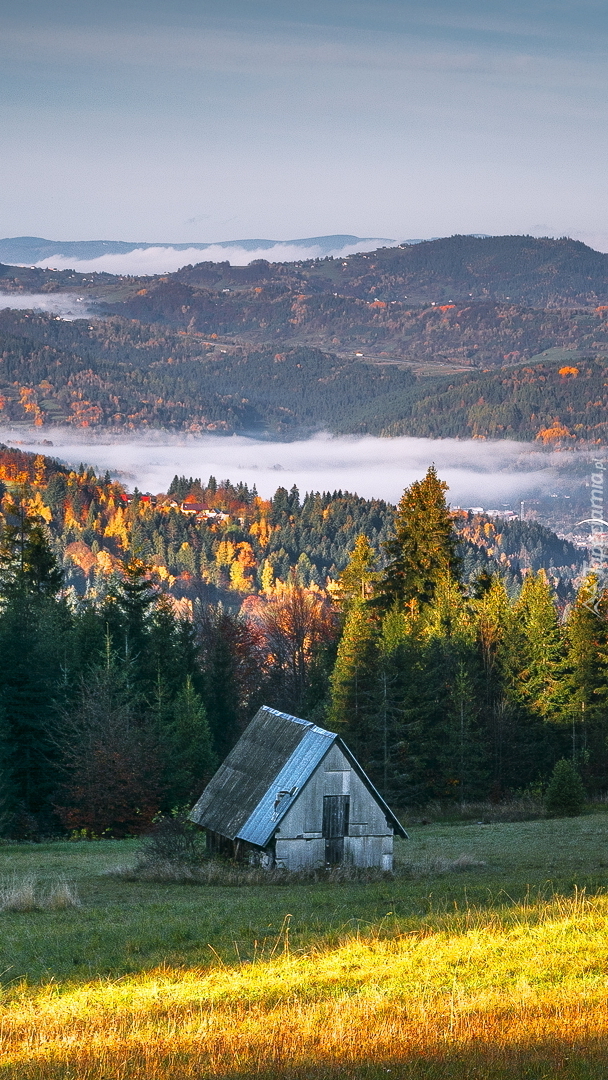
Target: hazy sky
x,y
201,120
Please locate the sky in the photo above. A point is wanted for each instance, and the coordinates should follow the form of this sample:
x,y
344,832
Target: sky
x,y
209,120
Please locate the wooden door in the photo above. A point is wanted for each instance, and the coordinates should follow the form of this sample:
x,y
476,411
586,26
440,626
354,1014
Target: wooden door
x,y
335,827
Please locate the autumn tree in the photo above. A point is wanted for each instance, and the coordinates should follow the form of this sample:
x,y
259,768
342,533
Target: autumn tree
x,y
293,626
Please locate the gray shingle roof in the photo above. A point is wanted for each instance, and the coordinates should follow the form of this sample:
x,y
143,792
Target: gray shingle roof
x,y
276,753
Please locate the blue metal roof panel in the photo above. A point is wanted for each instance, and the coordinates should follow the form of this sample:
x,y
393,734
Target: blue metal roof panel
x,y
264,820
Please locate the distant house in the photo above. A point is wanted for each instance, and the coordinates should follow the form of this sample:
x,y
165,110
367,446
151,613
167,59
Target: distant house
x,y
292,795
202,511
189,506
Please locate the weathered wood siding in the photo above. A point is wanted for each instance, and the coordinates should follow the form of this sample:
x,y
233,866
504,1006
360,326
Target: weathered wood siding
x,y
300,843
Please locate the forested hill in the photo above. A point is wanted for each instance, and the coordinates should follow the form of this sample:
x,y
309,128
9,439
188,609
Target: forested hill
x,y
240,545
347,345
553,403
126,374
523,269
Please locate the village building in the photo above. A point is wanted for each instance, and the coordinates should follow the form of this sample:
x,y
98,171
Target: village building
x,y
291,794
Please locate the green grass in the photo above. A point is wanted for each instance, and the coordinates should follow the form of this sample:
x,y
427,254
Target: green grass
x,y
126,927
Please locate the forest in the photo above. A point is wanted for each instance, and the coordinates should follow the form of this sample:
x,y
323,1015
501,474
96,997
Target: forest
x,y
496,337
124,374
538,272
458,656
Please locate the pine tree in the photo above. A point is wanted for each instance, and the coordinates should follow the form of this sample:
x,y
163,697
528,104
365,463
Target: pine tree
x,y
424,545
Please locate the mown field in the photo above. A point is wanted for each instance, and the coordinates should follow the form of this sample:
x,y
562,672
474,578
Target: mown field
x,y
493,965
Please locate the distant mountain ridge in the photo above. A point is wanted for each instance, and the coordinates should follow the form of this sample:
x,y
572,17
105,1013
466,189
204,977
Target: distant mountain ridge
x,y
18,250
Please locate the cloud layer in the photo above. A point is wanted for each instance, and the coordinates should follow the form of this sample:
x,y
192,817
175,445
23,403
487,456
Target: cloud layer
x,y
66,305
489,473
165,260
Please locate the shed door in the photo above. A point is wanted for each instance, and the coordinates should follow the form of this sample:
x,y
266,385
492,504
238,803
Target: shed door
x,y
335,826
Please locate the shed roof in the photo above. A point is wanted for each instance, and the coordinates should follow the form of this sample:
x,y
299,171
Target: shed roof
x,y
276,754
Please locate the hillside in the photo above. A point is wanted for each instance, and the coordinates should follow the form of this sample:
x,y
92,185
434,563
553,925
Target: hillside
x,y
125,373
475,334
526,270
253,542
552,402
324,344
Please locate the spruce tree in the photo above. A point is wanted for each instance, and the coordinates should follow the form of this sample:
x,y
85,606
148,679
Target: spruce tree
x,y
189,759
356,581
542,650
423,547
34,628
111,755
565,794
580,698
451,748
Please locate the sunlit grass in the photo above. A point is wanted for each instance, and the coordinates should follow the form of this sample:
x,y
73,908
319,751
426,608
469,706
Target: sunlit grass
x,y
475,998
445,972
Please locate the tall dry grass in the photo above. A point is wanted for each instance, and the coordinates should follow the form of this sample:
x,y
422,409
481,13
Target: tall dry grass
x,y
25,894
487,997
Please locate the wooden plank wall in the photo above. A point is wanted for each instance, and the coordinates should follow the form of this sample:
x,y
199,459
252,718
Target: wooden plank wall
x,y
299,841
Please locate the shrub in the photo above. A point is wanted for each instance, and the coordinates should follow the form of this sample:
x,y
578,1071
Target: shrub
x,y
565,794
172,841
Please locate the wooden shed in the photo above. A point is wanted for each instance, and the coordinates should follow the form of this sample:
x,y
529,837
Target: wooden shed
x,y
292,795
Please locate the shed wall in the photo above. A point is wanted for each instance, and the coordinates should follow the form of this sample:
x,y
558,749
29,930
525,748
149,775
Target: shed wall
x,y
299,841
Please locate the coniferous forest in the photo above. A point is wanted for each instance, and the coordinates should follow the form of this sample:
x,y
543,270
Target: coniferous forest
x,y
460,657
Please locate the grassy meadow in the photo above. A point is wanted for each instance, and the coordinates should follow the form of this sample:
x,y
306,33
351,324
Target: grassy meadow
x,y
485,956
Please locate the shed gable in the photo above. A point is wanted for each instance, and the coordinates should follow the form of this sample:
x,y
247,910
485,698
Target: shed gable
x,y
334,775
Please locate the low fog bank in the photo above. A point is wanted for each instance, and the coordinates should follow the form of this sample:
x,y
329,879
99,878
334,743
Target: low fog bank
x,y
495,475
66,305
166,260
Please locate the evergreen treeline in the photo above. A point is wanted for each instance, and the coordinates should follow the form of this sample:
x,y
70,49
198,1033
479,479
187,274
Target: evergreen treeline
x,y
117,702
454,693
